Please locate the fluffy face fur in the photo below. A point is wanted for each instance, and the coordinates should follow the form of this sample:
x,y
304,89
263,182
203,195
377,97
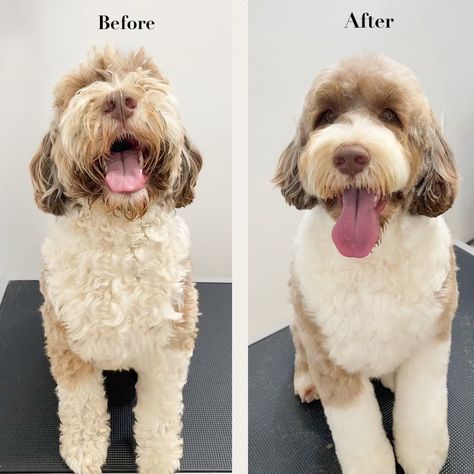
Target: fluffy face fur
x,y
117,279
377,103
388,313
72,160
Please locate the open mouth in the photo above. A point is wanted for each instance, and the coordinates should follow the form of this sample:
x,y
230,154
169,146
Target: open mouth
x,y
124,166
357,229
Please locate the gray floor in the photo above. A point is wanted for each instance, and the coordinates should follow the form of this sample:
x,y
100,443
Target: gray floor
x,y
288,437
28,405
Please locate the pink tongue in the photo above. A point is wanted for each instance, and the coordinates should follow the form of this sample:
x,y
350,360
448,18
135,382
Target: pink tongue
x,y
123,173
357,229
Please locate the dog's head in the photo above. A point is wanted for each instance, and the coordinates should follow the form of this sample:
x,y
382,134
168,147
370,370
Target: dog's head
x,y
367,145
116,137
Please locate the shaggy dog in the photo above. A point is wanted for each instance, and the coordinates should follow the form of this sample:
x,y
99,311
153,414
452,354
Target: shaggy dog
x,y
116,276
373,276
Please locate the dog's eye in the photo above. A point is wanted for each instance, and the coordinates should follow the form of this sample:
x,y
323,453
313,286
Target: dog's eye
x,y
324,118
389,115
329,116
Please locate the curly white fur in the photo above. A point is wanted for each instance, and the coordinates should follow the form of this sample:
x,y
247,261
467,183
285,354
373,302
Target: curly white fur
x,y
116,285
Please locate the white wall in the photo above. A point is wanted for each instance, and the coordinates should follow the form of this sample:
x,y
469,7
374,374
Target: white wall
x,y
40,40
289,43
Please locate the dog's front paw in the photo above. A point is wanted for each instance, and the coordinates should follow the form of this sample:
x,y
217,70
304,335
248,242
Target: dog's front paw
x,y
305,388
155,460
82,453
423,453
158,452
150,462
379,460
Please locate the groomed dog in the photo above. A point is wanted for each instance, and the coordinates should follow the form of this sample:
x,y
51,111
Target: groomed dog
x,y
116,277
373,275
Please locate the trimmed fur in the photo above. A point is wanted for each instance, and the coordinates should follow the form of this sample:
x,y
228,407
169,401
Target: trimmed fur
x,y
117,277
357,92
389,314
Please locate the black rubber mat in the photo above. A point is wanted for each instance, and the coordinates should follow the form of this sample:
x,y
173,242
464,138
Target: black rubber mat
x,y
288,437
28,405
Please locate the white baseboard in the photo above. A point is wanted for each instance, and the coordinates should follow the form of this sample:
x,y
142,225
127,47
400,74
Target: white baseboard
x,y
275,328
213,280
464,246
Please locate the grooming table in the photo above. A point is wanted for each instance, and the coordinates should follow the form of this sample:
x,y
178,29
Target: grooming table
x,y
288,437
28,404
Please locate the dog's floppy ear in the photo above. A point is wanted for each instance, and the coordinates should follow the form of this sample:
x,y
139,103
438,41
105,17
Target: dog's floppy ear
x,y
191,163
49,194
288,179
435,192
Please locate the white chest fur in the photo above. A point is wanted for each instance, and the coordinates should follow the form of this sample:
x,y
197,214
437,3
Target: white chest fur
x,y
374,311
114,284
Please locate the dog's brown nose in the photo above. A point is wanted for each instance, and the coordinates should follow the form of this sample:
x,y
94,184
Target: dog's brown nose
x,y
120,105
351,159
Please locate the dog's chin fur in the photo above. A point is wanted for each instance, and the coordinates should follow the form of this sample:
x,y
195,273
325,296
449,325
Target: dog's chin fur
x,y
386,315
117,280
131,205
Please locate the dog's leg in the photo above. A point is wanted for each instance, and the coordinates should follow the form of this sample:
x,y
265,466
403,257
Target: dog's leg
x,y
349,403
159,395
361,444
420,412
303,382
388,381
82,408
352,412
158,414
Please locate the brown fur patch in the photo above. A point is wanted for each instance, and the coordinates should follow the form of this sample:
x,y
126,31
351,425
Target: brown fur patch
x,y
448,297
185,330
301,364
335,385
48,192
288,179
191,164
67,368
437,185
